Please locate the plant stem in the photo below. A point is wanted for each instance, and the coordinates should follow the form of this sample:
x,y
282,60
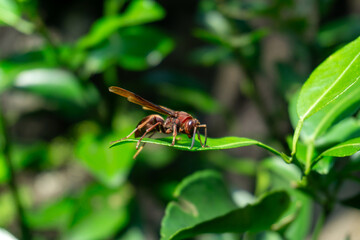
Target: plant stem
x,y
13,185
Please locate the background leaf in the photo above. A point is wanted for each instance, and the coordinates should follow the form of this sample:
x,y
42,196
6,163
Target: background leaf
x,y
138,12
10,14
141,47
194,214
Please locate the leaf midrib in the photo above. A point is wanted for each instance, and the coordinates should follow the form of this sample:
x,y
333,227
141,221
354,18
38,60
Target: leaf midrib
x,y
303,117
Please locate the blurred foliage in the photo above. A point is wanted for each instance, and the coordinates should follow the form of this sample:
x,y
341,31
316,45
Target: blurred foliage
x,y
59,178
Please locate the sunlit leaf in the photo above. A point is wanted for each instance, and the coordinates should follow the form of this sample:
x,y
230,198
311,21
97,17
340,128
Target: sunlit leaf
x,y
4,173
192,213
138,12
339,74
61,88
11,67
212,144
344,149
10,14
5,235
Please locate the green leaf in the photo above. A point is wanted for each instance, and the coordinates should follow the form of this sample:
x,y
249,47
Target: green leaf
x,y
138,12
344,149
100,213
143,47
4,173
345,105
54,215
339,31
212,144
344,130
58,86
110,166
193,214
11,67
338,74
10,14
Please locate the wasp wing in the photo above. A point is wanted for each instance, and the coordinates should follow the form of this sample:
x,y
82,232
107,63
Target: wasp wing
x,y
147,105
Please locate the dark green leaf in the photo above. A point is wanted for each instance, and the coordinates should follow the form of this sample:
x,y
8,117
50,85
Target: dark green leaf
x,y
339,31
194,214
138,12
141,47
100,213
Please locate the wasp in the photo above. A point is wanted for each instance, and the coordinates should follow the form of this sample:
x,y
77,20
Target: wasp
x,y
176,121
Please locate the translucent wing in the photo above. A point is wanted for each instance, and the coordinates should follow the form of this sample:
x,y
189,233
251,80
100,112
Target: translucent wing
x,y
147,105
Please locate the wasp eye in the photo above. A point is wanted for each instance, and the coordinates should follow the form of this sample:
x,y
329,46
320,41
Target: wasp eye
x,y
190,123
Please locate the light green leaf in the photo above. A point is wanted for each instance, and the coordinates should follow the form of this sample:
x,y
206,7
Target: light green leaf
x,y
344,149
344,106
10,14
338,74
344,130
193,214
110,166
138,12
212,144
60,87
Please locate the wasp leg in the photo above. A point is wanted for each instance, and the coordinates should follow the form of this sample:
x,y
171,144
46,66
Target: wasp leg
x,y
203,126
141,147
199,137
193,138
146,132
140,126
174,135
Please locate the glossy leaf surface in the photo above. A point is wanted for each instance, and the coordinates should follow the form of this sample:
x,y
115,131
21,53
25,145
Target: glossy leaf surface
x,y
339,74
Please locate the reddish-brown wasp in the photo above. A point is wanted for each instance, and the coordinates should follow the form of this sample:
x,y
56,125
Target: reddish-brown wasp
x,y
176,121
